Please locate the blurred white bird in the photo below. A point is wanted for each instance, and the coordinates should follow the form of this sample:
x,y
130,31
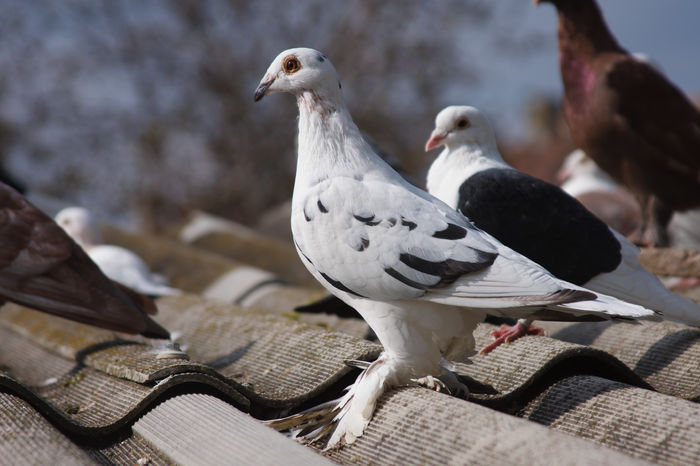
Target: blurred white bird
x,y
583,179
538,219
43,268
119,264
418,272
579,174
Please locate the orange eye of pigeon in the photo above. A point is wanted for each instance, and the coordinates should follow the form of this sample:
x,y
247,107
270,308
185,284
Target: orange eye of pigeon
x,y
291,64
462,123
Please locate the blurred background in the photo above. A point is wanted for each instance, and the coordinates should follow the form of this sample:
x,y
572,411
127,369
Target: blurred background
x,y
141,111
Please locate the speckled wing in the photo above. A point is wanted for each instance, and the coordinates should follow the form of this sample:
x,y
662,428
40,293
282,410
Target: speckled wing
x,y
43,268
387,241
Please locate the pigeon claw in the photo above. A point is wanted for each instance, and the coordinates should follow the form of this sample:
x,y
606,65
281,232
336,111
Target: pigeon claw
x,y
509,333
448,383
433,383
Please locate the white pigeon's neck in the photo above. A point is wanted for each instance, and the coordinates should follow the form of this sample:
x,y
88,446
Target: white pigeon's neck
x,y
455,165
474,152
330,144
470,158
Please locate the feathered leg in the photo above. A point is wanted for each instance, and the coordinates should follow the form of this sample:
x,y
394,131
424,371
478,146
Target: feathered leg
x,y
348,416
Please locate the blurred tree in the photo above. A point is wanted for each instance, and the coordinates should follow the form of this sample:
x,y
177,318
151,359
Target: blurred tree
x,y
144,109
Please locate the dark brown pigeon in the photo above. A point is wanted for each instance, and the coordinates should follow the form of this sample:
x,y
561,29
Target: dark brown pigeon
x,y
624,113
43,268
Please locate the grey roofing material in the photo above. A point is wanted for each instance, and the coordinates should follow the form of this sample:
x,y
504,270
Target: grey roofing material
x,y
28,438
275,222
182,427
278,361
275,359
641,423
132,359
187,268
665,354
227,280
672,262
133,450
234,240
93,385
418,426
531,378
513,372
84,401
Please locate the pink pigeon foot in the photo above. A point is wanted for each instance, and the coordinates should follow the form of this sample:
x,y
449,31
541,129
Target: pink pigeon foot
x,y
508,333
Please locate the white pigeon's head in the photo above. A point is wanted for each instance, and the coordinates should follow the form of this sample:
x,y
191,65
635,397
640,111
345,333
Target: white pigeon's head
x,y
300,70
80,225
458,125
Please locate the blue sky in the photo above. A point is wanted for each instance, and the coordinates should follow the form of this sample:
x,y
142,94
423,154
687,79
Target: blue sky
x,y
668,31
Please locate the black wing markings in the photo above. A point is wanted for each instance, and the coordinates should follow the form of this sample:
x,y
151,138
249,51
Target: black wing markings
x,y
339,285
370,221
448,270
451,232
335,283
365,244
397,275
407,223
367,220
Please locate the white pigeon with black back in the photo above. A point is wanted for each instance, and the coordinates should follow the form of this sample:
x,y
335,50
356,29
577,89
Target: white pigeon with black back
x,y
538,219
418,272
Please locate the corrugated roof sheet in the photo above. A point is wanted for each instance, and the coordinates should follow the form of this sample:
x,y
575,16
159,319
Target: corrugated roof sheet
x,y
236,241
277,360
28,438
84,401
518,370
641,423
418,426
665,354
588,394
133,450
227,280
182,426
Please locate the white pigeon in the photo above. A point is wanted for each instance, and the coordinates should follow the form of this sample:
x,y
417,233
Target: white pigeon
x,y
418,272
684,229
579,174
119,264
538,219
581,177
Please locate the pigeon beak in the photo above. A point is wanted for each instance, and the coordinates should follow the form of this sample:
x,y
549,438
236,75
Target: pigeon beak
x,y
436,138
264,85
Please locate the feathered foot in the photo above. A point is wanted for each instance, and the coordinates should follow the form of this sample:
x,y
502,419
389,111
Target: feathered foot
x,y
508,333
346,417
